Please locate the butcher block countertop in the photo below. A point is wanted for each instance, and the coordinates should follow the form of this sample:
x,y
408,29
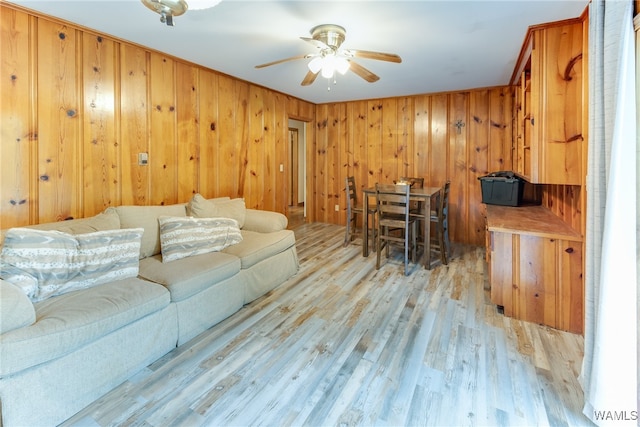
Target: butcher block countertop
x,y
531,220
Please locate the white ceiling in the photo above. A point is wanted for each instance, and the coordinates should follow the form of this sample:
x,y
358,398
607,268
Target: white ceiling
x,y
444,45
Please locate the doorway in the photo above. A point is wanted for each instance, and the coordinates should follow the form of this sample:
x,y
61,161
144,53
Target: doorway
x,y
296,211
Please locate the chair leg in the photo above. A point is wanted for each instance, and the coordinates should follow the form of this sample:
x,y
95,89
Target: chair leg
x,y
445,246
346,233
348,236
378,249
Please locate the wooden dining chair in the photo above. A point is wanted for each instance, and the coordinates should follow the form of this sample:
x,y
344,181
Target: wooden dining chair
x,y
417,207
395,224
354,210
440,218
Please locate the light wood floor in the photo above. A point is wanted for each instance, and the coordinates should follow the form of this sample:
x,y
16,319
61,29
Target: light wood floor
x,y
343,344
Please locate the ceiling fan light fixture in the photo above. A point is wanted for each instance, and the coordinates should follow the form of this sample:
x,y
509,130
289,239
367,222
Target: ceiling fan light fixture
x,y
327,71
167,9
342,65
315,65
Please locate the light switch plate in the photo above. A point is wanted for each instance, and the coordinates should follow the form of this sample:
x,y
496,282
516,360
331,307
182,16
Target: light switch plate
x,y
143,159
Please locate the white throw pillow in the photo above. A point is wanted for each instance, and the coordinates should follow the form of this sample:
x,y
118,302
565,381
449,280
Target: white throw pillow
x,y
181,237
60,262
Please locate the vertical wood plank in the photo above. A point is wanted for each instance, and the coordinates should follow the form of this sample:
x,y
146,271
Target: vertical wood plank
x,y
280,186
58,123
458,167
391,160
134,124
16,135
422,127
188,135
405,116
253,185
477,150
164,151
228,165
341,164
321,166
209,151
101,150
500,130
333,162
374,149
439,130
360,145
241,135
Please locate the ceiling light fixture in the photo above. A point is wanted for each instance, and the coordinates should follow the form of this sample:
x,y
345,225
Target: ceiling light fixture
x,y
170,8
328,64
167,9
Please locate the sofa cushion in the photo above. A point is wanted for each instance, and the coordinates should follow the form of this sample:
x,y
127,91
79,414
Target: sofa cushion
x,y
188,276
67,322
256,247
16,310
61,262
147,217
215,199
182,237
216,208
107,220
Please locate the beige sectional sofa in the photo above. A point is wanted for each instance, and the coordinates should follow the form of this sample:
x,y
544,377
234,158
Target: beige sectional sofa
x,y
60,353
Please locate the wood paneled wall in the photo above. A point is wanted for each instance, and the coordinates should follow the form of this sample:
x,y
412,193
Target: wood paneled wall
x,y
381,140
78,107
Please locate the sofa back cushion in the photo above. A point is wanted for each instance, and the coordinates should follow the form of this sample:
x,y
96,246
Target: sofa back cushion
x,y
49,263
200,207
107,220
146,217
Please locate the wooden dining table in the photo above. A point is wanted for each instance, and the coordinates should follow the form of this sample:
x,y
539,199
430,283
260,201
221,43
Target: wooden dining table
x,y
425,195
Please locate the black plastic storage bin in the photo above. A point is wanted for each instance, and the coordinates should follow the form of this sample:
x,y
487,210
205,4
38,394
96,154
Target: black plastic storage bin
x,y
502,188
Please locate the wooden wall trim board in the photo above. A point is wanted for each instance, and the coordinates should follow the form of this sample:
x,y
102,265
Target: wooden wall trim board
x,y
81,106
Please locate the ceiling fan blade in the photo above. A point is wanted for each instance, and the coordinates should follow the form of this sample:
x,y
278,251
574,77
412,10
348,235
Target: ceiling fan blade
x,y
309,78
363,72
380,56
282,60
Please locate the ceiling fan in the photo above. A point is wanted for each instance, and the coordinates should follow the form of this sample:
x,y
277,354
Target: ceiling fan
x,y
167,9
329,57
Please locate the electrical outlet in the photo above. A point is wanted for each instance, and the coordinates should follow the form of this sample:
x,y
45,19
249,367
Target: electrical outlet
x,y
337,208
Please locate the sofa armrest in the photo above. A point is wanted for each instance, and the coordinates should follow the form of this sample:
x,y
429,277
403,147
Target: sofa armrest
x,y
16,309
264,221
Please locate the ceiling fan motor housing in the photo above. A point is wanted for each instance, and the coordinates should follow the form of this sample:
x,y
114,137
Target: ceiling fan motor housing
x,y
167,8
329,34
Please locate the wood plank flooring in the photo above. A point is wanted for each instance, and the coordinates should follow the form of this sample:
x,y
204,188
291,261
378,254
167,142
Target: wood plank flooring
x,y
344,344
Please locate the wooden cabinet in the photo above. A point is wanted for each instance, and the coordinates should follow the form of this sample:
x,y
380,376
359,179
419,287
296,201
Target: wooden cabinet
x,y
550,95
535,266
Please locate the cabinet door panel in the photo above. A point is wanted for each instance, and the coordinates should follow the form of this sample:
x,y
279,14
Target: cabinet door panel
x,y
536,292
561,111
501,269
570,287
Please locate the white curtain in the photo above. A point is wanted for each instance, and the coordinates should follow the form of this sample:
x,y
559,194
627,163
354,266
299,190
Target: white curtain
x,y
610,366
